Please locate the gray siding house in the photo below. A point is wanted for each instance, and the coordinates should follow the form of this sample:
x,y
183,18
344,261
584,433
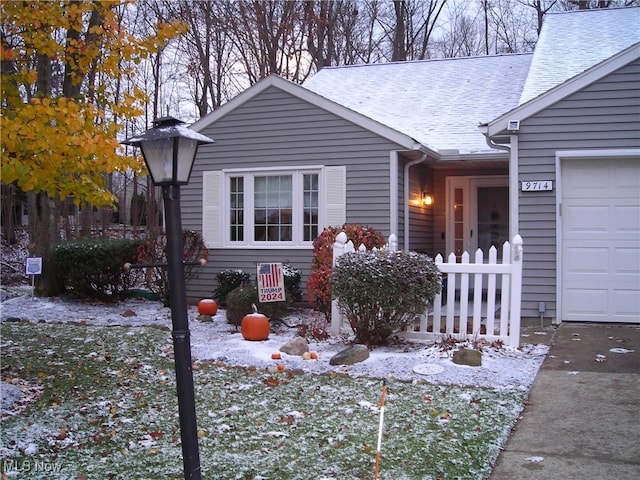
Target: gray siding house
x,y
546,145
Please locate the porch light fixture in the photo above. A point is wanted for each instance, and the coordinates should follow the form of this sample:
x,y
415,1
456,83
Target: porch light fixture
x,y
169,149
427,199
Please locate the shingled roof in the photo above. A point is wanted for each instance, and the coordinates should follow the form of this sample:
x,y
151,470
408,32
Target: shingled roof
x,y
572,42
437,102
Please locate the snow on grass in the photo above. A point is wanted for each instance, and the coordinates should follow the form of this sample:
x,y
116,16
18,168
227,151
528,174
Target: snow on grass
x,y
115,414
106,403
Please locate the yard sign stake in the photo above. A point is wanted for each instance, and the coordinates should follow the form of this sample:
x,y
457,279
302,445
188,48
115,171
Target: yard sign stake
x,y
382,401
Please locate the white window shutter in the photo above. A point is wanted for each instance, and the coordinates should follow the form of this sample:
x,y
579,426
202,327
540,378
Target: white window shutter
x,y
212,190
335,196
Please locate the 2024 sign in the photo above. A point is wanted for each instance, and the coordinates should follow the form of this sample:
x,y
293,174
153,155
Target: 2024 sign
x,y
272,296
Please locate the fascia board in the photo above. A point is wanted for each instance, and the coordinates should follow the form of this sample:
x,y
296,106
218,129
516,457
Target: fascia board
x,y
556,94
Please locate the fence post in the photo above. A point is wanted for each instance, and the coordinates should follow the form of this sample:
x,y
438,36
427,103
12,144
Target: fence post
x,y
336,315
516,291
338,246
393,242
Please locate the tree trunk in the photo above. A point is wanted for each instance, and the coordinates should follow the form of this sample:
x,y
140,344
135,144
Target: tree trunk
x,y
8,213
399,45
86,220
44,233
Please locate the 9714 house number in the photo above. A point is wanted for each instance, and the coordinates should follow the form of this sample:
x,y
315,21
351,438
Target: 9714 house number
x,y
537,185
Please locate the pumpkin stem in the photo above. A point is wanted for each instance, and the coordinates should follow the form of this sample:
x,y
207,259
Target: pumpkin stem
x,y
255,309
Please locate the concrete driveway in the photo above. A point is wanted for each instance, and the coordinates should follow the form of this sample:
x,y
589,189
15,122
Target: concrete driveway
x,y
582,420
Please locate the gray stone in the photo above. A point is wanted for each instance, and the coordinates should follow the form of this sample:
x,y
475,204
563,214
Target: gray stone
x,y
471,358
10,395
297,346
204,318
355,354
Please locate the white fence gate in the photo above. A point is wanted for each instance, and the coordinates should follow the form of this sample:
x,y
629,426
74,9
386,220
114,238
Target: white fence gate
x,y
482,299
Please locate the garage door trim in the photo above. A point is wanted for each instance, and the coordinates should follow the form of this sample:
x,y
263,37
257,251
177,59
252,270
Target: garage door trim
x,y
604,154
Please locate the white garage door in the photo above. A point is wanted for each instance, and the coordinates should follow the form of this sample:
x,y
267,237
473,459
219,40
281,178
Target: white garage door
x,y
601,240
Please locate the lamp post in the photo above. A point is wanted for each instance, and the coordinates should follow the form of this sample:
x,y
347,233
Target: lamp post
x,y
169,149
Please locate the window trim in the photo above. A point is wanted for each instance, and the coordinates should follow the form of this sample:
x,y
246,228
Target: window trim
x,y
249,175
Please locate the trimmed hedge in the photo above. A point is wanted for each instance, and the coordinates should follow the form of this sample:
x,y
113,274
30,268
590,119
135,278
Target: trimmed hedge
x,y
93,267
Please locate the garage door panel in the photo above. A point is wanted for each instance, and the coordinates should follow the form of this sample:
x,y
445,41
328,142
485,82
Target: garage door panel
x,y
601,240
581,219
626,304
582,261
589,183
626,261
625,221
587,302
625,179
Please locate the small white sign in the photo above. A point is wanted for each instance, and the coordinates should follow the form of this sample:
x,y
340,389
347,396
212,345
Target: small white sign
x,y
33,266
270,283
537,185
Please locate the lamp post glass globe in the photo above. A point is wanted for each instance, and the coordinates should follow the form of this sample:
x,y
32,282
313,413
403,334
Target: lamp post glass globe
x,y
169,149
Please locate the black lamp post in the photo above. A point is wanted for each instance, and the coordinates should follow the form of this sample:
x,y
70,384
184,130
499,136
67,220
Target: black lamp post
x,y
169,149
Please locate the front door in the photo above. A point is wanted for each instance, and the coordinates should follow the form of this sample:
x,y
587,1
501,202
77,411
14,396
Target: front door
x,y
477,214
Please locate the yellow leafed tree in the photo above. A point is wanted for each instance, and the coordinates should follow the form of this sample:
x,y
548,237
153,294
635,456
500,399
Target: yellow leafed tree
x,y
63,69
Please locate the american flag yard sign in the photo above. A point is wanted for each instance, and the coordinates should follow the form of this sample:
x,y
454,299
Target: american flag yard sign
x,y
270,282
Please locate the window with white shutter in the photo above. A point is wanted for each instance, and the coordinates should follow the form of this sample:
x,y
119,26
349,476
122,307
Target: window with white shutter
x,y
273,208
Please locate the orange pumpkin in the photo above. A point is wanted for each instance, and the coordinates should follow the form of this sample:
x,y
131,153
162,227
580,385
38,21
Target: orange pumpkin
x,y
255,326
206,306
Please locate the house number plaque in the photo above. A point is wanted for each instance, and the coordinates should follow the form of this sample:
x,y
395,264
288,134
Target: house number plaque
x,y
537,185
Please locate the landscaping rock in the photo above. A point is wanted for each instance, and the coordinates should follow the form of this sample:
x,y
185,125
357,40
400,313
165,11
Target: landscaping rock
x,y
10,395
471,358
204,318
129,313
355,354
298,346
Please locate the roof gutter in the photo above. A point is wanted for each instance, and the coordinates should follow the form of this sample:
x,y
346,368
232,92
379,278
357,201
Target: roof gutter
x,y
410,164
484,129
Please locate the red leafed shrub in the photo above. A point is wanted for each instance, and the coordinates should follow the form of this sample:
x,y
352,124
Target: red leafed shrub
x,y
319,283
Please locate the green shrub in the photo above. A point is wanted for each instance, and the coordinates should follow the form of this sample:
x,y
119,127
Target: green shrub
x,y
228,280
380,292
93,267
239,303
319,282
292,278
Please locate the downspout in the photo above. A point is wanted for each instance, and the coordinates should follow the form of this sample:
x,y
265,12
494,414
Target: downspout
x,y
406,197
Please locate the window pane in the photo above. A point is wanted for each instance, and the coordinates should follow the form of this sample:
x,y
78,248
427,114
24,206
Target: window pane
x,y
236,202
273,198
310,207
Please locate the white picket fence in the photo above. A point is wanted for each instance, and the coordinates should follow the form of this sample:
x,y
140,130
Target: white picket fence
x,y
482,299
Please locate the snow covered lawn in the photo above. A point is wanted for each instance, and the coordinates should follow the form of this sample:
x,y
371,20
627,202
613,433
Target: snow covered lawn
x,y
103,402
